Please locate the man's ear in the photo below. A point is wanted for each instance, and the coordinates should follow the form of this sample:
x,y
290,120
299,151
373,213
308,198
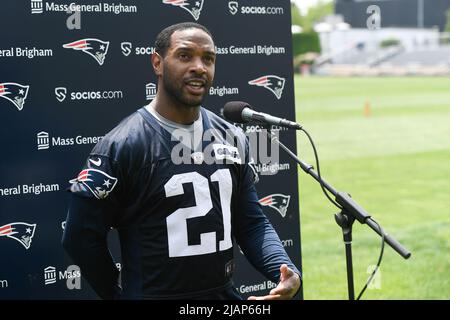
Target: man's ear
x,y
157,63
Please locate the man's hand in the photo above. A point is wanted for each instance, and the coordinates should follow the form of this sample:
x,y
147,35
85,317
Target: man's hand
x,y
286,288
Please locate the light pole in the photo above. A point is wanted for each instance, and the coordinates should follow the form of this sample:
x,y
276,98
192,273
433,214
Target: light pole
x,y
420,14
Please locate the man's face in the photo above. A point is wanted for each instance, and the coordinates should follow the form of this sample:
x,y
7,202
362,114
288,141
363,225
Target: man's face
x,y
188,67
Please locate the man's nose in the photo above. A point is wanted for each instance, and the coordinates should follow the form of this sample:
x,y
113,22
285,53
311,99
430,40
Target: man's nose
x,y
198,66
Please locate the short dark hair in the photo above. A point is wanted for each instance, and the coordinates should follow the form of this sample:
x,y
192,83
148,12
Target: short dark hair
x,y
162,42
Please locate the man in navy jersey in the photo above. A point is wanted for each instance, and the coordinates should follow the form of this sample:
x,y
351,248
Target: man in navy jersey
x,y
177,217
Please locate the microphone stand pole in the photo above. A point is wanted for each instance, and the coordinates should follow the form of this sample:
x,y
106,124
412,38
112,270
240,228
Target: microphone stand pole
x,y
350,212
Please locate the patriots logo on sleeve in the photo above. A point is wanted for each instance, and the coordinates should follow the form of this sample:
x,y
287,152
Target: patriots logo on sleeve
x,y
194,7
19,231
15,93
94,47
99,183
278,201
273,83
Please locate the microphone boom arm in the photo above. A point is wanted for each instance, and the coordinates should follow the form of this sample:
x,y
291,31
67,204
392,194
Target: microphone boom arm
x,y
347,203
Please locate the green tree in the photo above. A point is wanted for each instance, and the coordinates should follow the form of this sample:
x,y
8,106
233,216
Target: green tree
x,y
296,18
447,26
316,14
307,43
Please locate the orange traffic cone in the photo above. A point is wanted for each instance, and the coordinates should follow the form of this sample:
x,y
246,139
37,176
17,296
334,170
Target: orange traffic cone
x,y
367,111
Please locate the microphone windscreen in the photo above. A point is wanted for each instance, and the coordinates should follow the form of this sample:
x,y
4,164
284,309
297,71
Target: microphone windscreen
x,y
232,111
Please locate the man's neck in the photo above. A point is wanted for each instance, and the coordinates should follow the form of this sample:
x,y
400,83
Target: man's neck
x,y
174,111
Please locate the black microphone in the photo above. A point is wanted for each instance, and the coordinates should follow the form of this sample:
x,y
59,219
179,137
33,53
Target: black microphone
x,y
242,112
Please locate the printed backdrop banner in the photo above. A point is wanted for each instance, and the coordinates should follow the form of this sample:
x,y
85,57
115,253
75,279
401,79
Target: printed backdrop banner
x,y
71,70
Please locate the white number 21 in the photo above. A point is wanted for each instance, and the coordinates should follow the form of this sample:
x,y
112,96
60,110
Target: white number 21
x,y
177,232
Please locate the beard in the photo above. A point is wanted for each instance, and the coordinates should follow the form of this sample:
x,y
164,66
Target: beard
x,y
174,89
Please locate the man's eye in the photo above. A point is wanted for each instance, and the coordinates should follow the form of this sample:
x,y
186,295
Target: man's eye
x,y
184,56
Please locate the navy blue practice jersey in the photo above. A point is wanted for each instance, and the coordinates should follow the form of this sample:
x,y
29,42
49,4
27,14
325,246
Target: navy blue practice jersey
x,y
176,221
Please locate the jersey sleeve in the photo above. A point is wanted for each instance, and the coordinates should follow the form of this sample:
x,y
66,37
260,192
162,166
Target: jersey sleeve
x,y
100,179
254,233
93,210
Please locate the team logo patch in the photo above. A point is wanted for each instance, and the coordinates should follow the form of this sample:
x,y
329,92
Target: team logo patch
x,y
198,157
19,231
277,201
194,7
98,182
15,93
273,83
224,152
94,47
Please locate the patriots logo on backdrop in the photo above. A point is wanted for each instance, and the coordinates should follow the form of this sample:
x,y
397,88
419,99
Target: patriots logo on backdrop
x,y
99,183
277,201
19,231
270,82
94,47
15,93
194,7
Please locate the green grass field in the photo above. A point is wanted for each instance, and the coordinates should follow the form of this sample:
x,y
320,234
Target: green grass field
x,y
395,162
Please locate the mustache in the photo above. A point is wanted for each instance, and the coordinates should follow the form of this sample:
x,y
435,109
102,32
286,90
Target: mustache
x,y
203,80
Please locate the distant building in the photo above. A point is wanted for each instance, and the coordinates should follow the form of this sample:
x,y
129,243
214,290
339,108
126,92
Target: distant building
x,y
396,13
